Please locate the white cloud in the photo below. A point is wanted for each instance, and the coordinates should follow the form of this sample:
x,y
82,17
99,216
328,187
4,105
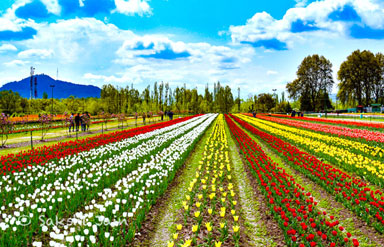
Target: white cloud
x,y
7,47
104,53
10,22
36,53
53,6
131,7
87,50
79,40
16,63
301,3
263,27
272,72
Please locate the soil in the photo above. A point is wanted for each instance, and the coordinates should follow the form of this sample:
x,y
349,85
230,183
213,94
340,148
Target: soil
x,y
153,216
274,230
60,138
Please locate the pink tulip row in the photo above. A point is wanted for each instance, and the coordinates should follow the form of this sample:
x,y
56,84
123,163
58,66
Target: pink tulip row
x,y
331,129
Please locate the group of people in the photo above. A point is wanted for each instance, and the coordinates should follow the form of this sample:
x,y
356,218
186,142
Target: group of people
x,y
160,113
169,114
83,120
299,114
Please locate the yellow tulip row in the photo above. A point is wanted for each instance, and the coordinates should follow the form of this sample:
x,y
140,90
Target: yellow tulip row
x,y
210,195
334,140
372,170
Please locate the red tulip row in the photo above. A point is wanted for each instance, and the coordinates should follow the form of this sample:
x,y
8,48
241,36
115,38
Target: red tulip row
x,y
335,121
351,191
331,129
41,155
295,210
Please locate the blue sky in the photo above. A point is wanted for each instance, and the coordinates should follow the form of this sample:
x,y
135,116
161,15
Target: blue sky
x,y
254,45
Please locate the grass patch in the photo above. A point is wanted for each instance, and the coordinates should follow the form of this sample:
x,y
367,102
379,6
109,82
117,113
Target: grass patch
x,y
250,208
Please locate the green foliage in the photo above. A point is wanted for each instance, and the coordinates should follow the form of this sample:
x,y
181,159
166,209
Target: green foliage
x,y
361,78
314,76
223,99
45,95
10,102
265,102
283,107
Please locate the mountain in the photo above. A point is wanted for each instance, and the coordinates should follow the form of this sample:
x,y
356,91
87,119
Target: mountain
x,y
62,89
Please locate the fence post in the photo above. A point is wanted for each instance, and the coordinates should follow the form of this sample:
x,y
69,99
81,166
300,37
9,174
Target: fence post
x,y
31,141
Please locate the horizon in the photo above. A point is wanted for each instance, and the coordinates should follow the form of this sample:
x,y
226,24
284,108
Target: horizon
x,y
254,46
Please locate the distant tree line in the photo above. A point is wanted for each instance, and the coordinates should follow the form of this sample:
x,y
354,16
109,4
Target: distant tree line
x,y
126,100
265,102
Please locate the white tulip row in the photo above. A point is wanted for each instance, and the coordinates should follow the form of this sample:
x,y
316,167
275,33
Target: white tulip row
x,y
89,165
55,168
51,197
121,203
89,175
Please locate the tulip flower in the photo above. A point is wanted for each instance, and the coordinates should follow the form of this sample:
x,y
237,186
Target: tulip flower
x,y
195,228
171,244
208,226
217,244
235,228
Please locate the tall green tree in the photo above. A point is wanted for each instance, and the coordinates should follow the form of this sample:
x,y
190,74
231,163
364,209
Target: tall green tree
x,y
358,75
265,102
378,89
9,102
161,95
224,98
314,76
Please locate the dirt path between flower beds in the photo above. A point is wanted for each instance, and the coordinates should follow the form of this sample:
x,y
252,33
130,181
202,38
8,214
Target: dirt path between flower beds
x,y
260,228
156,229
366,235
64,137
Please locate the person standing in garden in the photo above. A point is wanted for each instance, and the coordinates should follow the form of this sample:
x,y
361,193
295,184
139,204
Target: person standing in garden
x,y
82,122
144,115
161,114
77,121
170,114
88,120
71,123
136,117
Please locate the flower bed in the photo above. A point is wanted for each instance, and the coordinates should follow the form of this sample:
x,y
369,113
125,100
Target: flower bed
x,y
353,156
17,162
293,208
118,182
331,129
210,212
334,121
355,194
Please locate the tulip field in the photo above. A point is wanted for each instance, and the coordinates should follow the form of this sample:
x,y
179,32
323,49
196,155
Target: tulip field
x,y
204,180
